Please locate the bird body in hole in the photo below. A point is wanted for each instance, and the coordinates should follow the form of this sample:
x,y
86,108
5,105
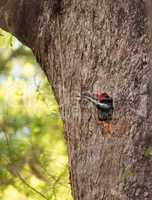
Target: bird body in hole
x,y
104,107
103,103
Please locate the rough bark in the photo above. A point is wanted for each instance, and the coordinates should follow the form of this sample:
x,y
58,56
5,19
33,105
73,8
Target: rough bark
x,y
96,45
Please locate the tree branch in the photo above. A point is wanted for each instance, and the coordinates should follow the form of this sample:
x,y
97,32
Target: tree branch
x,y
20,18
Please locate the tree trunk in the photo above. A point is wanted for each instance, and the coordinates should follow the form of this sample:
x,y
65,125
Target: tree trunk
x,y
96,46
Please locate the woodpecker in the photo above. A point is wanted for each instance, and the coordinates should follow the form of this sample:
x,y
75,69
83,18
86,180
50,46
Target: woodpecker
x,y
103,103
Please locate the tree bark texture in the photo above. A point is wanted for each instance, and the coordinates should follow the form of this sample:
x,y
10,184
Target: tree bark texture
x,y
96,45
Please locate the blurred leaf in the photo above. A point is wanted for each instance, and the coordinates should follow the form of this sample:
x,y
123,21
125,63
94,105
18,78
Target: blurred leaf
x,y
31,130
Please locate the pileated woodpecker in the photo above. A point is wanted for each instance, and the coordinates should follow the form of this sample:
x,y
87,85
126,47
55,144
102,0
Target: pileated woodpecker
x,y
103,103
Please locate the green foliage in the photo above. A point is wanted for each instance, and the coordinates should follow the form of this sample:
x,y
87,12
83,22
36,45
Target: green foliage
x,y
6,39
33,156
